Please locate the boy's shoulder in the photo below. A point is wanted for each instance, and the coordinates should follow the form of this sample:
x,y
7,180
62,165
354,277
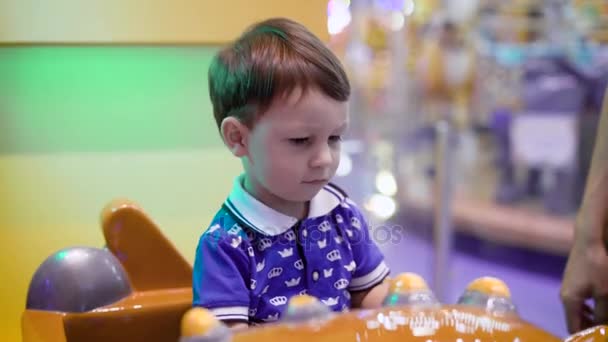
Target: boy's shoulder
x,y
224,225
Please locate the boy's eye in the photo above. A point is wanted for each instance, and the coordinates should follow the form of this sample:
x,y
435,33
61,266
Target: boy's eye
x,y
299,141
335,138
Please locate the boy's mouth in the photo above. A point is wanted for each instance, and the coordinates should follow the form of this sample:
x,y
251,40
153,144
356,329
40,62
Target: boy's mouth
x,y
315,181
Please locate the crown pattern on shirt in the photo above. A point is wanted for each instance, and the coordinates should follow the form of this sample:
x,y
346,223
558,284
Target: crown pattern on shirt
x,y
286,253
331,301
324,226
290,235
264,244
235,229
355,222
322,243
299,264
275,272
214,228
303,292
339,239
293,282
339,218
265,289
260,265
349,232
328,272
252,312
351,267
347,295
334,255
341,284
278,300
252,284
272,318
250,251
236,242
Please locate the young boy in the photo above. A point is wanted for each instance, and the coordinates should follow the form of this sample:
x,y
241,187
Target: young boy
x,y
280,101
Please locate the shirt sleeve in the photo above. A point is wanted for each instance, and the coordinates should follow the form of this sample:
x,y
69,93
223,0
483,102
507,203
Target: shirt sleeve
x,y
370,267
221,276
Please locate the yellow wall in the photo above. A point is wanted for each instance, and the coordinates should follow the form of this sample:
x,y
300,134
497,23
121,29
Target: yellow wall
x,y
147,21
49,202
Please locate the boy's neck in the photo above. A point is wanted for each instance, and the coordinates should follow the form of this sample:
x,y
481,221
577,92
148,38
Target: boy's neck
x,y
298,210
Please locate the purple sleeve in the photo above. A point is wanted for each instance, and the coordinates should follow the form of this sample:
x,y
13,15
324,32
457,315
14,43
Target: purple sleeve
x,y
221,276
370,266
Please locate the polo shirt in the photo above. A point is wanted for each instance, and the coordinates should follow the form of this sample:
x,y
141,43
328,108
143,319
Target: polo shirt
x,y
252,258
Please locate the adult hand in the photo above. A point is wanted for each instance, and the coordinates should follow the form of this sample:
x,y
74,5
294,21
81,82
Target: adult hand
x,y
585,277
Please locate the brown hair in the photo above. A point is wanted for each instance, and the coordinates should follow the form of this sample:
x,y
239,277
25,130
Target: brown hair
x,y
268,61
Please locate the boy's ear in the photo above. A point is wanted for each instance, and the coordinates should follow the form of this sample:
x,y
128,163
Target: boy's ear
x,y
234,133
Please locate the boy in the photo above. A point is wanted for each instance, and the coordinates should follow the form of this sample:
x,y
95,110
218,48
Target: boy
x,y
280,101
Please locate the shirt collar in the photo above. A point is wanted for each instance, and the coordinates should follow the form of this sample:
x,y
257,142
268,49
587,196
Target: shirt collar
x,y
268,221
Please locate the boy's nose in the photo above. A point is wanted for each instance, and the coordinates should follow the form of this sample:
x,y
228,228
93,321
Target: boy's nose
x,y
322,158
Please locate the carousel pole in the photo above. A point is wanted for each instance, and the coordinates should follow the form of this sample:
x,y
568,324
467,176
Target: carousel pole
x,y
442,220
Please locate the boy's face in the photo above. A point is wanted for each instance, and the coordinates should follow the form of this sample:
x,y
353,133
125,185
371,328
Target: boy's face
x,y
293,150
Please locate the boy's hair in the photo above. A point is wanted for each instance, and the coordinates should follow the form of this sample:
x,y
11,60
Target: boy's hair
x,y
268,61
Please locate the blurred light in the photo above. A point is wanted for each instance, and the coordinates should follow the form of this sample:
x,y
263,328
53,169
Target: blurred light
x,y
382,206
345,166
397,21
408,7
338,15
352,146
461,11
389,5
386,183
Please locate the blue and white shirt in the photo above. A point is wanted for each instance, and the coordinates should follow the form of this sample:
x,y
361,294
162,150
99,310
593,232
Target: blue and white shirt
x,y
252,259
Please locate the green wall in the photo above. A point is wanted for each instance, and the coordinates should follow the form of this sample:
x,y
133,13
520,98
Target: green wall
x,y
104,98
